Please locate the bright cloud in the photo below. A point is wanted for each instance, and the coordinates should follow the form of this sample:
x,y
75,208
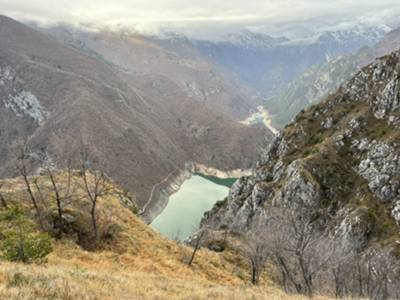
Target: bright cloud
x,y
190,14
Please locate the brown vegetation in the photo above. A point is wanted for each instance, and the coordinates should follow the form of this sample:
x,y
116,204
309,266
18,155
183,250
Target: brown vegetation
x,y
133,262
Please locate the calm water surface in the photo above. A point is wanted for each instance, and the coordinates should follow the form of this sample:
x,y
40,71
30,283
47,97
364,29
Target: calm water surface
x,y
185,209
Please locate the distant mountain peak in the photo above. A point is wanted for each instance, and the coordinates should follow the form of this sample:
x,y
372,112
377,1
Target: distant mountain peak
x,y
250,39
369,34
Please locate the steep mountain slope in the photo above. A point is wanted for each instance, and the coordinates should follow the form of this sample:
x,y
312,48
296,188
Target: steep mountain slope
x,y
139,127
340,159
321,80
134,263
268,64
135,55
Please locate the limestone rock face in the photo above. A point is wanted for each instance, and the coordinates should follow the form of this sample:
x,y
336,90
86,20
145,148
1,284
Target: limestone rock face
x,y
21,102
340,158
327,124
381,168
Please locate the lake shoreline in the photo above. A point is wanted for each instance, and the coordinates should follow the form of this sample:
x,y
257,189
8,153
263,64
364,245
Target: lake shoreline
x,y
186,208
162,191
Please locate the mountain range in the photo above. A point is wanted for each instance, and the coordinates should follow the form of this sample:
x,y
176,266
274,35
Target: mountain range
x,y
142,111
267,64
323,79
103,126
153,103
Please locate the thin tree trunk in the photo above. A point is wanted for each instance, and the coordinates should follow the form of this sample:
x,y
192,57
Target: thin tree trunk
x,y
32,196
93,213
384,293
284,280
286,270
197,246
360,283
336,275
35,182
254,277
306,277
58,198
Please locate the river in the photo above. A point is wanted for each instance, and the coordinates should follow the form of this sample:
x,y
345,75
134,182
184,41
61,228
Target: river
x,y
186,207
261,117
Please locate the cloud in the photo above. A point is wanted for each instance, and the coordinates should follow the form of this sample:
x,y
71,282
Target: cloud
x,y
195,14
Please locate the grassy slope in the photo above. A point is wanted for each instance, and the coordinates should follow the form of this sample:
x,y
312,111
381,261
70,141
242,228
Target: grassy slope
x,y
335,168
137,263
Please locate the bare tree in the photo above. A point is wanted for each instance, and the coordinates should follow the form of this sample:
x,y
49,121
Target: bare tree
x,y
95,187
278,236
380,274
257,248
304,245
39,190
62,192
376,272
199,237
22,167
298,247
310,258
56,193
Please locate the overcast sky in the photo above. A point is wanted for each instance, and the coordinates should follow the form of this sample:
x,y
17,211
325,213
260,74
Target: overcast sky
x,y
200,15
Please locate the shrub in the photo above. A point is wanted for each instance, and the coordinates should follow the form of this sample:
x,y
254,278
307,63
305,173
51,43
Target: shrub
x,y
221,203
20,242
269,178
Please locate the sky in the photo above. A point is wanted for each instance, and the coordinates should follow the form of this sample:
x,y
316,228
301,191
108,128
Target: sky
x,y
203,16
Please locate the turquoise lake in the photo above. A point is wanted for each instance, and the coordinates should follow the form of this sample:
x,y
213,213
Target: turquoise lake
x,y
186,207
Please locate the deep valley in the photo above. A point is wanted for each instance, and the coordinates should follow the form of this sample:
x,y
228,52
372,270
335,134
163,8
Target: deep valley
x,y
213,150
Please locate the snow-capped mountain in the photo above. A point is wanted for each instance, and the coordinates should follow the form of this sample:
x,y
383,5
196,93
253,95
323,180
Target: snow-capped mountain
x,y
252,40
354,37
320,80
358,33
268,64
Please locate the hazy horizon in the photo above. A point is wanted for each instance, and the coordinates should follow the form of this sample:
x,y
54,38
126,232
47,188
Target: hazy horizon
x,y
209,18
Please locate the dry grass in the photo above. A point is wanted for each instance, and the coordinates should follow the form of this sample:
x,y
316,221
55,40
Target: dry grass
x,y
137,263
68,282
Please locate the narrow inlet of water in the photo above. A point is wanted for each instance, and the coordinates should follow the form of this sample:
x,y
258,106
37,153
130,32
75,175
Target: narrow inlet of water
x,y
186,207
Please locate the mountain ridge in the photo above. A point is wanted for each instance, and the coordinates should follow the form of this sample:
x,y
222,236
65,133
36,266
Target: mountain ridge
x,y
151,126
339,158
320,80
268,64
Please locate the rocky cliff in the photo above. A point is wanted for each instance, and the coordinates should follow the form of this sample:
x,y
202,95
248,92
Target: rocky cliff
x,y
340,158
